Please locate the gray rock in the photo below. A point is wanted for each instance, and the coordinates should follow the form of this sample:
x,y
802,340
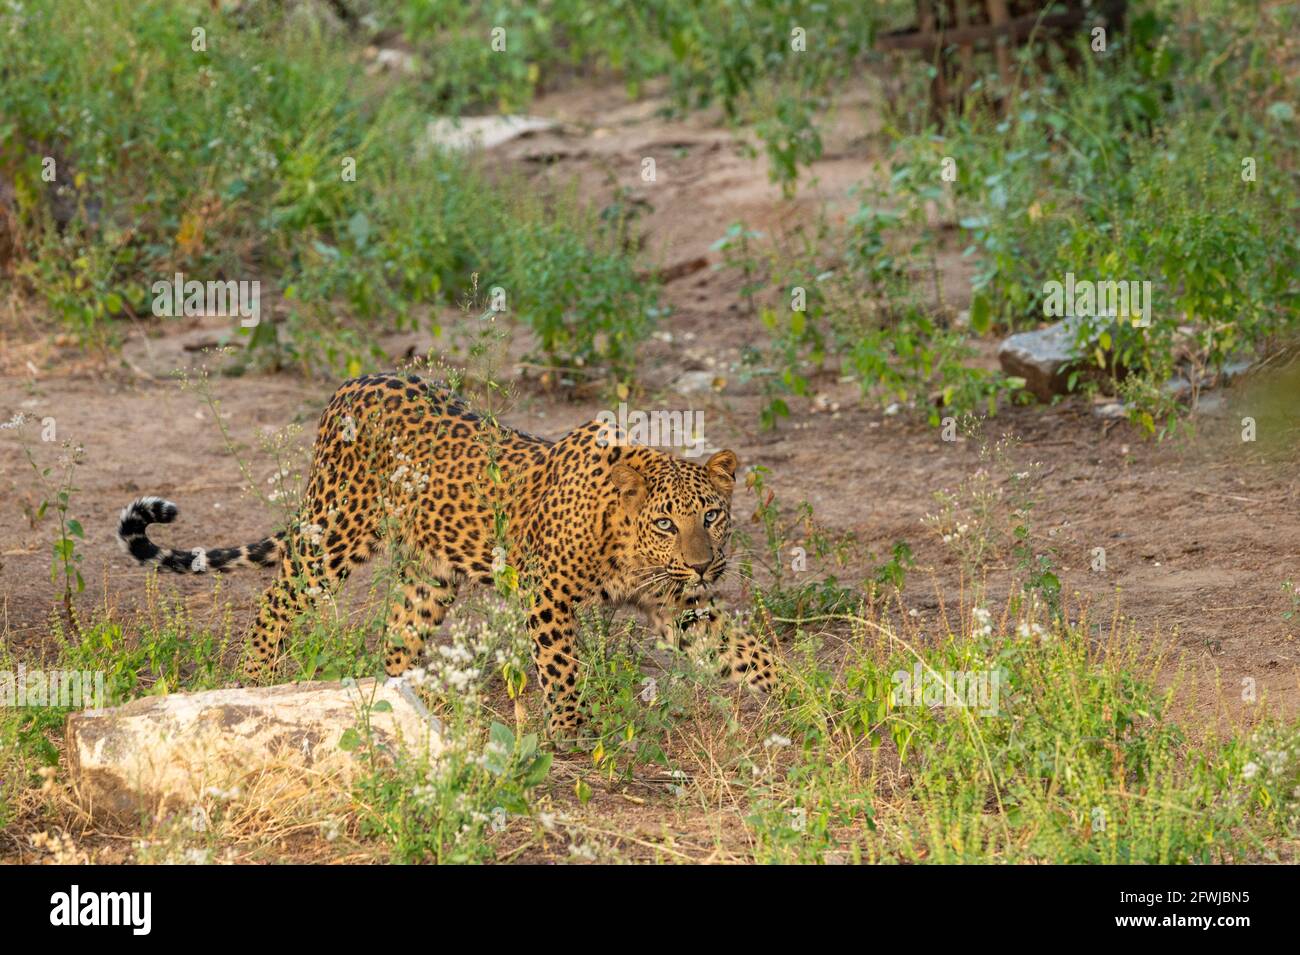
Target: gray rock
x,y
1234,369
694,383
1211,403
1181,388
1042,357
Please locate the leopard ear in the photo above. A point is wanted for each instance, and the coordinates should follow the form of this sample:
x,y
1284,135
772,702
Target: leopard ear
x,y
721,469
631,486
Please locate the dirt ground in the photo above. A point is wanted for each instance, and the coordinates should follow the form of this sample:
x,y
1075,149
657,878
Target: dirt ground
x,y
1199,534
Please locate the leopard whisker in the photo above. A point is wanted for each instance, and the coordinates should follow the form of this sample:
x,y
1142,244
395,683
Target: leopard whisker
x,y
644,585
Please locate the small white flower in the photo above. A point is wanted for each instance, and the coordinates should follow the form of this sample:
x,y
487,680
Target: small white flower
x,y
1025,630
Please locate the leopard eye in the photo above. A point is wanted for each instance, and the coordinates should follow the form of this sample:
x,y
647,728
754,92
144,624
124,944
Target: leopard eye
x,y
664,524
711,516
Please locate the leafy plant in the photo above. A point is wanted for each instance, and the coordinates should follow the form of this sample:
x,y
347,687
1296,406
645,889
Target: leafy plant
x,y
444,809
324,204
65,564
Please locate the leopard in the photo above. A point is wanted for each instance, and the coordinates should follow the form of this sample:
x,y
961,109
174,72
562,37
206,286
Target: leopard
x,y
590,519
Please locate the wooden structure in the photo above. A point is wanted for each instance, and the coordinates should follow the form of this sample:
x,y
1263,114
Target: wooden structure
x,y
967,26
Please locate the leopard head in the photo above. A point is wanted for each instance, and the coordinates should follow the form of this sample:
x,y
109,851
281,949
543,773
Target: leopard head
x,y
680,516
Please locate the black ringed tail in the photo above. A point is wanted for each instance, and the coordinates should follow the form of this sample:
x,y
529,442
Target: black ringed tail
x,y
132,534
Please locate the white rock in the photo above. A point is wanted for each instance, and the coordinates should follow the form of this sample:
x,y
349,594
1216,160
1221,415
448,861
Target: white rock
x,y
160,754
482,132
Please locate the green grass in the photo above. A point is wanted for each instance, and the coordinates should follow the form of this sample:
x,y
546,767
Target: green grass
x,y
1083,760
263,151
271,156
1080,755
771,63
1173,158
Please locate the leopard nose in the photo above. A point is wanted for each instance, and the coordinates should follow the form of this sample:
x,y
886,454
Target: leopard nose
x,y
701,568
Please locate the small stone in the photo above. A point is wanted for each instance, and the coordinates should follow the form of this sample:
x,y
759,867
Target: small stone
x,y
389,60
694,382
1233,369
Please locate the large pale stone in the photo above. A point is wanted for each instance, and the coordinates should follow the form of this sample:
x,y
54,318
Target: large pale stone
x,y
160,754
